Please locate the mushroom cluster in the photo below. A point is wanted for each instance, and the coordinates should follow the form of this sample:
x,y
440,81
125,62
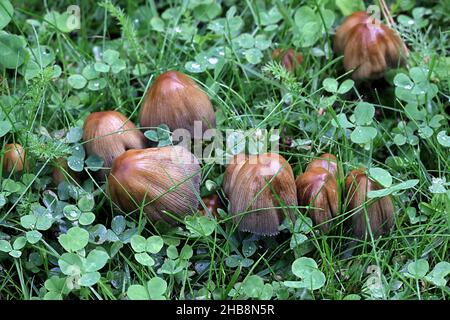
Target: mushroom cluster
x,y
163,182
262,192
261,189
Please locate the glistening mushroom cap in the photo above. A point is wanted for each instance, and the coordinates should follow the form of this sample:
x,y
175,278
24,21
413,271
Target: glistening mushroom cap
x,y
176,100
326,161
257,186
13,158
108,134
370,48
318,189
163,180
380,211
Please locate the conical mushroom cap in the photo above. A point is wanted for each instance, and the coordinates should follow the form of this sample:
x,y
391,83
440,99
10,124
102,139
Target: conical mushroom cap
x,y
380,211
326,161
318,189
369,47
176,100
108,134
159,179
13,158
255,186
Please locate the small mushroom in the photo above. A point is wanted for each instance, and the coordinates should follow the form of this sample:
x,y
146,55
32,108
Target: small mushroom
x,y
176,100
289,59
380,212
108,134
317,189
13,158
163,181
369,47
257,186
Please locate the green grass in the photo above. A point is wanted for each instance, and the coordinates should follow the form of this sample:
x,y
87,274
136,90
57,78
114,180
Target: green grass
x,y
245,96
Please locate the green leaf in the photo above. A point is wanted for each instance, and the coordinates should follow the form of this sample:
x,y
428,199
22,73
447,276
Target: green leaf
x,y
58,21
438,274
154,244
261,42
253,55
200,226
342,122
19,243
253,286
77,81
401,80
172,252
6,12
111,56
364,113
33,236
94,163
52,295
5,127
297,239
170,267
86,218
86,202
443,139
157,24
186,252
5,246
346,86
387,191
144,259
70,264
89,279
194,67
75,163
43,222
309,26
89,72
95,260
75,239
118,66
330,85
399,139
57,284
74,135
101,67
311,277
12,53
245,40
362,135
382,176
418,269
347,7
97,84
137,292
138,243
207,12
15,253
118,224
71,212
157,288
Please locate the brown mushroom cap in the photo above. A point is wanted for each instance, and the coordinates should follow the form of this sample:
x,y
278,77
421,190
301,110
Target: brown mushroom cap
x,y
380,211
176,100
13,158
318,189
159,179
108,134
256,185
369,47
